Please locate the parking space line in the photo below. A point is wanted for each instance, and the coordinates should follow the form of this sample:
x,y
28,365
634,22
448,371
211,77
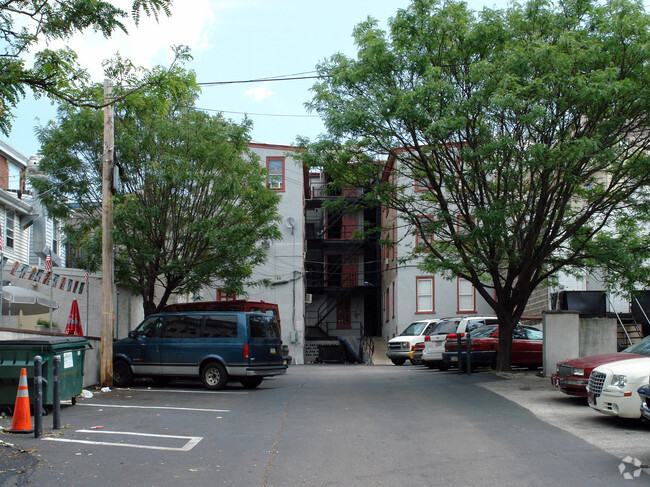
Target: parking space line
x,y
153,407
191,443
187,391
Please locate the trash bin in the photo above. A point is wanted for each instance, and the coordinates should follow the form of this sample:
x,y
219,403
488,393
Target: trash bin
x,y
18,354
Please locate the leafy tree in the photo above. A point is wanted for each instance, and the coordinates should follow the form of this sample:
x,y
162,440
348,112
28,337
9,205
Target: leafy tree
x,y
525,131
55,73
193,203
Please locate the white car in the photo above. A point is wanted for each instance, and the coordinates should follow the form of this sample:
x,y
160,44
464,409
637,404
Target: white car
x,y
434,344
612,387
400,347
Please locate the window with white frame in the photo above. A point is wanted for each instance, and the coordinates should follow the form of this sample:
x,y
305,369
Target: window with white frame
x,y
466,296
424,287
10,218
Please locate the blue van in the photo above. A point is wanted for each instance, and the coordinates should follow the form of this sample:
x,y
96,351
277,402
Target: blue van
x,y
216,346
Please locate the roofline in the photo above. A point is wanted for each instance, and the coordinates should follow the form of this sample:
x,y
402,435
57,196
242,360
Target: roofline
x,y
261,145
14,154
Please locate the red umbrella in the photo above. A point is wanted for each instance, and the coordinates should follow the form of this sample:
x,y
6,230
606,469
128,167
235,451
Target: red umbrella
x,y
73,327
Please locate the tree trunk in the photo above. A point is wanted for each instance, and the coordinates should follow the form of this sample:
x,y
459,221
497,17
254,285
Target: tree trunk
x,y
504,354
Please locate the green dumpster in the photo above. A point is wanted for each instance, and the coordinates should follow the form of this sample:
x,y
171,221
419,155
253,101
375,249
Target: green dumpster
x,y
18,354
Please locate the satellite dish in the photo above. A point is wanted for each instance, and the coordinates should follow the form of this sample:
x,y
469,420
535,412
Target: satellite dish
x,y
290,222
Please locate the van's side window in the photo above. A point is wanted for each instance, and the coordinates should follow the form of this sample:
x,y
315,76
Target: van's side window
x,y
219,326
150,328
183,326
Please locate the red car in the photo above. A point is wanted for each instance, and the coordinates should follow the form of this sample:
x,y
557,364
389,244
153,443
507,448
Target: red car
x,y
572,376
527,346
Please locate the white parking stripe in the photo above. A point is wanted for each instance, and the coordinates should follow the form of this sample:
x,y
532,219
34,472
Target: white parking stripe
x,y
187,391
153,407
191,443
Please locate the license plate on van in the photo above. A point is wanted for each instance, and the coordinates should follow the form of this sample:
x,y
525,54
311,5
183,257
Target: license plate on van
x,y
273,350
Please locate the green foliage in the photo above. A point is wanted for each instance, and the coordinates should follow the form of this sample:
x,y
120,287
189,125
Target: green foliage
x,y
194,202
43,323
25,23
525,130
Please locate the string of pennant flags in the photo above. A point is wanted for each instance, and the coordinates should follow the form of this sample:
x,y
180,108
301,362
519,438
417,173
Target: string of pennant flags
x,y
42,276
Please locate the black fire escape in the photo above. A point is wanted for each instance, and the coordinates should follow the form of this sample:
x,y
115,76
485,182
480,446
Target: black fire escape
x,y
340,270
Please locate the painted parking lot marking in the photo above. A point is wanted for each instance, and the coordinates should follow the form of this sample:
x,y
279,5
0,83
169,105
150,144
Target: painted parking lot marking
x,y
186,391
191,442
153,407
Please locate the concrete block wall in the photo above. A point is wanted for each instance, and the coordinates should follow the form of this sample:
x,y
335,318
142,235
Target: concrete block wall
x,y
566,336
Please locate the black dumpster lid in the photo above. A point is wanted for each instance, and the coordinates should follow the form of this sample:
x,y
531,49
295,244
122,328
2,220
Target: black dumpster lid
x,y
44,341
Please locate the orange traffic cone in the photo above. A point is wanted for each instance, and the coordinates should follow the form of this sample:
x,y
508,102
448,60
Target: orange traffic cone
x,y
22,422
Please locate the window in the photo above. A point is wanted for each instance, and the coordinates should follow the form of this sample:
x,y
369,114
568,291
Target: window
x,y
425,223
387,305
223,296
219,326
534,334
466,296
275,167
424,287
55,237
264,327
10,217
183,327
150,328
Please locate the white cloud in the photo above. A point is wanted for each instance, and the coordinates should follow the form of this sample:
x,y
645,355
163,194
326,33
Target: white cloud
x,y
149,43
259,93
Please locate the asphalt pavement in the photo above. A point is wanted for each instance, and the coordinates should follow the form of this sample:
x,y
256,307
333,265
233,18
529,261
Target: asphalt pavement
x,y
334,425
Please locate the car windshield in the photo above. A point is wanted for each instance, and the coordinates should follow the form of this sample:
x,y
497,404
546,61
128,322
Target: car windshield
x,y
414,328
642,347
484,331
446,327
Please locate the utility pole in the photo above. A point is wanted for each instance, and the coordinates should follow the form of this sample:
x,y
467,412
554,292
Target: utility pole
x,y
108,286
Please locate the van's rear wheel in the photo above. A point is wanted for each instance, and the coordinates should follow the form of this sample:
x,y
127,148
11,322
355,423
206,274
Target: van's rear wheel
x,y
214,376
122,375
251,382
398,361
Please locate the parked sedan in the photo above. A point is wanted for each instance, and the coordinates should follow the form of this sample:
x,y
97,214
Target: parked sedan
x,y
644,394
527,346
613,387
572,376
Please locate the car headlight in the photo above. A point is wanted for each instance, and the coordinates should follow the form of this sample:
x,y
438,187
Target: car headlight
x,y
619,380
579,372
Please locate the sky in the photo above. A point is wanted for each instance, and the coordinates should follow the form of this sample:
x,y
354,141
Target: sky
x,y
233,40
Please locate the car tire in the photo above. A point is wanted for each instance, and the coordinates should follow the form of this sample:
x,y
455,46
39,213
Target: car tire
x,y
122,374
415,362
398,361
214,376
443,366
251,382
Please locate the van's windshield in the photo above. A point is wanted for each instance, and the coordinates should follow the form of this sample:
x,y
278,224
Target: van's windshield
x,y
150,328
414,329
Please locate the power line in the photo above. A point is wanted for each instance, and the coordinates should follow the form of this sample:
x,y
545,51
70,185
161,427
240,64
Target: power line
x,y
286,77
255,114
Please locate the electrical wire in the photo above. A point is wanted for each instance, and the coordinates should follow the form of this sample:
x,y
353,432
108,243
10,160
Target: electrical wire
x,y
288,77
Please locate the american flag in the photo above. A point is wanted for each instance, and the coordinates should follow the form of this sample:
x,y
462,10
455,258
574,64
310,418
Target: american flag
x,y
48,262
86,276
